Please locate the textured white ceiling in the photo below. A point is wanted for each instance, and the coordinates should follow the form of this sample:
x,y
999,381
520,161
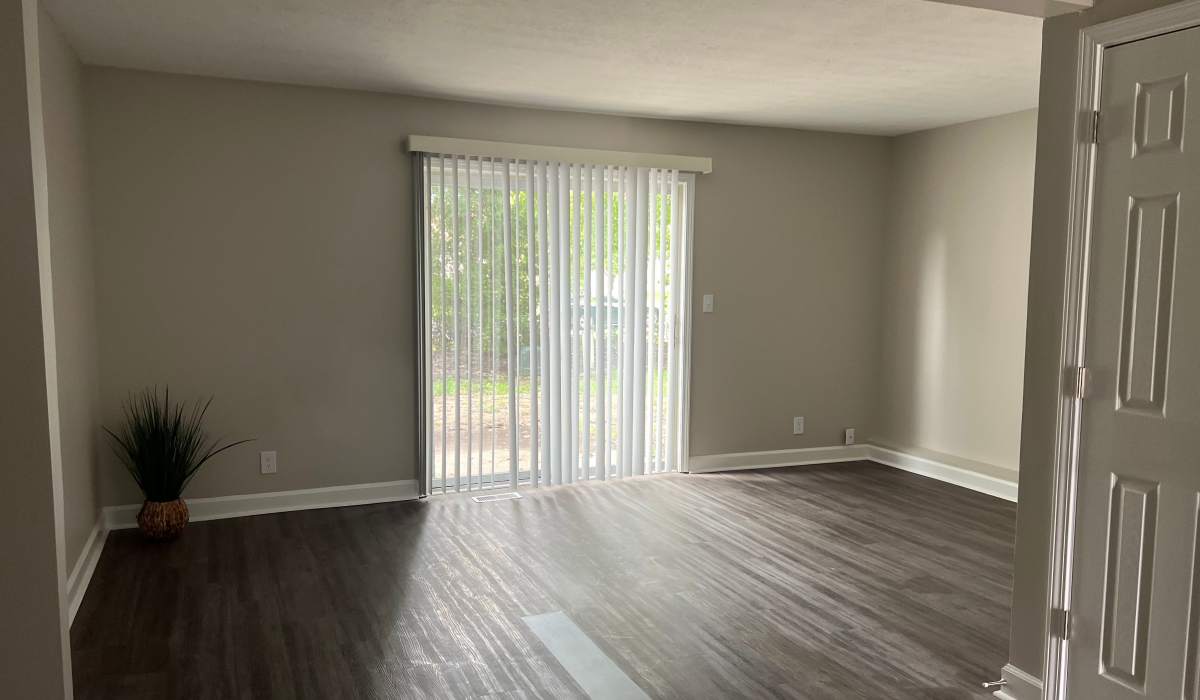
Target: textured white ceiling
x,y
869,66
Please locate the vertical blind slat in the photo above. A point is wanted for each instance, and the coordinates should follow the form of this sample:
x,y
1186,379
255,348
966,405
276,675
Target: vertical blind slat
x,y
673,329
660,363
478,387
571,279
456,234
445,338
656,318
492,289
627,283
427,305
587,191
531,253
469,269
545,319
511,316
604,240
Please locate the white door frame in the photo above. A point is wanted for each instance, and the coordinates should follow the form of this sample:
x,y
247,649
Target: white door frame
x,y
1092,43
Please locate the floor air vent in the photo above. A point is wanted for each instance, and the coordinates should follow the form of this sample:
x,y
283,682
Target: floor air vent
x,y
496,497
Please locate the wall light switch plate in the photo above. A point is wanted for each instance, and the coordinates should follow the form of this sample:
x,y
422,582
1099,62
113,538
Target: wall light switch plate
x,y
708,303
798,425
849,436
268,462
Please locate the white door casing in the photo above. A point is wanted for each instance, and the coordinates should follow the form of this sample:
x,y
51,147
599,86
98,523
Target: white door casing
x,y
1135,595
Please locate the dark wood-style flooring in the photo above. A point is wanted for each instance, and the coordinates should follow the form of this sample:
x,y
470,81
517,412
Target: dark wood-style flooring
x,y
847,581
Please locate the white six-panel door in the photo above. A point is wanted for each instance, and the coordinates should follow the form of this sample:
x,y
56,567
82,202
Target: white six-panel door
x,y
1136,596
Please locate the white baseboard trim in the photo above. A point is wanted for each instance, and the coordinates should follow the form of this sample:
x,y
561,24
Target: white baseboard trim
x,y
122,517
942,470
85,566
734,461
945,471
1022,685
199,509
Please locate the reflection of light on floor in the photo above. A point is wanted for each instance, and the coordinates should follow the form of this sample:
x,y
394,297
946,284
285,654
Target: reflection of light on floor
x,y
591,668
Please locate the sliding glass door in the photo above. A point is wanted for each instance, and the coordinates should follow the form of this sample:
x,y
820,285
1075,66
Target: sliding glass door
x,y
555,320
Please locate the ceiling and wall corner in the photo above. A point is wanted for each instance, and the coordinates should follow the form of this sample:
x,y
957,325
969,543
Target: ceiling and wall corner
x,y
1033,8
868,66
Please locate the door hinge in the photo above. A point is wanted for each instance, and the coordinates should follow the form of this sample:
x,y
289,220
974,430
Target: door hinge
x,y
1093,127
1079,383
1060,623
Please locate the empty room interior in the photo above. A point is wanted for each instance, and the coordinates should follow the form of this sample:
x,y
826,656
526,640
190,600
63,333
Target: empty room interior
x,y
560,349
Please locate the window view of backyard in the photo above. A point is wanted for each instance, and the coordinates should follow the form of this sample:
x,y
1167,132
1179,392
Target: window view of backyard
x,y
553,315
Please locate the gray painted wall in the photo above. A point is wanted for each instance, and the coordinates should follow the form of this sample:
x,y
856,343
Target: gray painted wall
x,y
955,267
1052,182
74,286
253,242
34,655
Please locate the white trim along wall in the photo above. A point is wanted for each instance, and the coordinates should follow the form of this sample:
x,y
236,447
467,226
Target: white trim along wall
x,y
201,509
943,468
220,507
1020,685
123,517
85,566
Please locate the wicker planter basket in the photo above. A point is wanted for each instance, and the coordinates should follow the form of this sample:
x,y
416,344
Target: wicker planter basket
x,y
163,520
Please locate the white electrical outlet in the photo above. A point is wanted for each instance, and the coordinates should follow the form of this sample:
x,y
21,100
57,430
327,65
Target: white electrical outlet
x,y
798,425
268,462
849,436
708,303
